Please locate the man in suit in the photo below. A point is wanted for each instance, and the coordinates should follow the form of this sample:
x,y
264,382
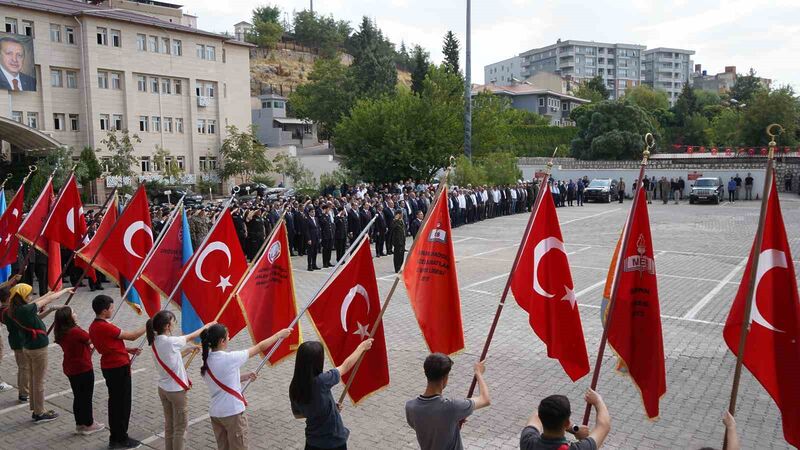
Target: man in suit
x,y
327,230
380,230
312,237
415,225
340,233
388,217
12,61
353,222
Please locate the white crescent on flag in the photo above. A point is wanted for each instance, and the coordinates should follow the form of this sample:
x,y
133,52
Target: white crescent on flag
x,y
130,232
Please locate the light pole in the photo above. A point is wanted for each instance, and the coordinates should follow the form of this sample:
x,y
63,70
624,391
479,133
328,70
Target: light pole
x,y
468,88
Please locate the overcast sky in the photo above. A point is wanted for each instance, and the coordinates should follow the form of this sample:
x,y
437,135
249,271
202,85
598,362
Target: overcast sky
x,y
763,34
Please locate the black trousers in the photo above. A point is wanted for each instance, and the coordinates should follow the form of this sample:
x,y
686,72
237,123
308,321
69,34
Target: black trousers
x,y
311,251
388,242
41,276
311,447
82,389
339,244
399,253
379,245
327,247
118,381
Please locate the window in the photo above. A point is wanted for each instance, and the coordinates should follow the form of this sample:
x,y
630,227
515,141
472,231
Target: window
x,y
565,106
181,162
201,50
207,163
116,81
144,161
265,105
154,85
102,79
102,36
166,86
541,101
105,163
210,90
105,124
58,122
168,124
72,79
74,122
69,34
223,55
179,125
116,38
156,124
11,25
56,78
178,88
165,45
201,126
211,128
117,121
278,104
143,123
27,28
16,116
141,83
33,120
177,48
152,44
141,42
55,32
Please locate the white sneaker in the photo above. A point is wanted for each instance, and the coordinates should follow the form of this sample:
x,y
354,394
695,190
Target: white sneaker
x,y
93,428
5,387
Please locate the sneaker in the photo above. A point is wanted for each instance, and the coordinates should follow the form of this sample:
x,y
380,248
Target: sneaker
x,y
23,399
79,429
130,443
93,428
5,387
48,416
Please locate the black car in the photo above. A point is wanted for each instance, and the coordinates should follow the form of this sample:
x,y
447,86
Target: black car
x,y
175,193
601,190
707,190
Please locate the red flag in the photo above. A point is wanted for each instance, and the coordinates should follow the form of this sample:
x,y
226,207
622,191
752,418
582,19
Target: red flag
x,y
219,266
343,314
88,251
66,224
33,223
267,296
167,262
771,352
635,326
53,265
9,226
432,284
542,286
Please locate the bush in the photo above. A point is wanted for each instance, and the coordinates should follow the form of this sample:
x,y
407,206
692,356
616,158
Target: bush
x,y
537,140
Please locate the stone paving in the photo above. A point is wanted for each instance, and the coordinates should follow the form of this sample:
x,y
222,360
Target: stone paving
x,y
700,252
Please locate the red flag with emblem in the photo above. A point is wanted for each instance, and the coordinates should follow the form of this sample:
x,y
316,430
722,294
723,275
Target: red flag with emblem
x,y
771,351
343,314
267,296
66,224
542,286
211,276
432,284
635,324
33,224
9,226
167,260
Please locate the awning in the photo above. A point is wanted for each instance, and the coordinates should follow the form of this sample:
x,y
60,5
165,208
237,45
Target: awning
x,y
25,137
291,121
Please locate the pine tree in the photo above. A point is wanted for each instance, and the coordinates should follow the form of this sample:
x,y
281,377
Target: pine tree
x,y
421,64
373,61
450,51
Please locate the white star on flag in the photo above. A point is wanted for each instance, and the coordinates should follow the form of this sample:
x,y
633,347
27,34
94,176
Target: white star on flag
x,y
224,282
569,295
362,331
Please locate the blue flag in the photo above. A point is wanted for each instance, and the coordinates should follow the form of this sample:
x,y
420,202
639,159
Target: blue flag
x,y
190,321
5,272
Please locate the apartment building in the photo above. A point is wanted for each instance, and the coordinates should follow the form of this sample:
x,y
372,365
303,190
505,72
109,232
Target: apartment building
x,y
719,83
668,70
553,105
141,66
504,73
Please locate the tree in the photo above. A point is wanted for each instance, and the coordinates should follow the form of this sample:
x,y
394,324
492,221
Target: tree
x,y
267,13
91,171
450,50
267,29
121,149
373,66
491,123
746,87
501,168
593,90
646,98
726,128
242,154
162,158
323,32
686,105
421,65
612,130
327,97
780,106
300,176
697,130
467,172
402,59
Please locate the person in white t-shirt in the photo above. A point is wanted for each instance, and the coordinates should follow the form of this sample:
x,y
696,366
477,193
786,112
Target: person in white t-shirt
x,y
173,383
221,372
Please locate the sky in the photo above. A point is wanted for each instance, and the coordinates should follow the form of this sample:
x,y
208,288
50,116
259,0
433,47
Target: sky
x,y
762,34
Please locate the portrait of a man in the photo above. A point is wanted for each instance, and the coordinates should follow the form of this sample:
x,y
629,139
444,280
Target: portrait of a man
x,y
14,62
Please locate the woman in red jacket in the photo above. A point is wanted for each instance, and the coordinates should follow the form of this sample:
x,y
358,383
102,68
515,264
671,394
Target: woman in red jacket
x,y
78,368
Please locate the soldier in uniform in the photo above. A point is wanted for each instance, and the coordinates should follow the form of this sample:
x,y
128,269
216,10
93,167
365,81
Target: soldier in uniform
x,y
398,240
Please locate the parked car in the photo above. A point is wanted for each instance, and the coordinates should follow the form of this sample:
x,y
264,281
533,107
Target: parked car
x,y
707,190
175,192
251,189
279,193
601,190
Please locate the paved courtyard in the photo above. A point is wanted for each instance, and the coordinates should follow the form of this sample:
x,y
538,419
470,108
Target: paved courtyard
x,y
700,253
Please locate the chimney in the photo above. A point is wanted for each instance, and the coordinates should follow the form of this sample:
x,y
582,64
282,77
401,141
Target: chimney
x,y
698,68
730,69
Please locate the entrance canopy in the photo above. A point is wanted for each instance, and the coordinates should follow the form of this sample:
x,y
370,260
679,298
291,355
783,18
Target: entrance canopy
x,y
24,137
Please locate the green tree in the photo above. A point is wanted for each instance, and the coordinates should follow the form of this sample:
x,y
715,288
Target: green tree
x,y
242,155
90,172
450,50
402,59
594,90
323,32
611,130
491,123
327,97
708,103
267,13
373,66
57,161
697,130
746,87
267,29
685,105
726,128
501,168
420,71
169,169
467,172
780,106
122,159
646,98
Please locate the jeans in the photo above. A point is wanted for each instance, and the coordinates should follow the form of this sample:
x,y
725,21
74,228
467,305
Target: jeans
x,y
118,381
748,192
82,389
731,195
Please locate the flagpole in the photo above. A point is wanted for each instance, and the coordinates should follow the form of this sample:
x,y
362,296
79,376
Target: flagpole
x,y
544,190
355,244
737,373
438,195
649,143
31,169
151,253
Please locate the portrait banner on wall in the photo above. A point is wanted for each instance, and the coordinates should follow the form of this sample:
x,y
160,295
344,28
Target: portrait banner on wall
x,y
17,71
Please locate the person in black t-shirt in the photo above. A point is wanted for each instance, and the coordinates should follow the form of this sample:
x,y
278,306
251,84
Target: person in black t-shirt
x,y
547,427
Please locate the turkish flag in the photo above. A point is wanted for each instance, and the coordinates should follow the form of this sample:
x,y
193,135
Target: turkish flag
x,y
167,260
542,286
213,274
432,284
88,251
772,352
635,319
267,296
32,225
344,313
9,226
66,224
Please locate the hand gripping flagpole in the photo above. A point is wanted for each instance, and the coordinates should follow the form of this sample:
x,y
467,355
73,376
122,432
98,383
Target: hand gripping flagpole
x,y
438,195
31,169
759,241
350,249
544,190
650,142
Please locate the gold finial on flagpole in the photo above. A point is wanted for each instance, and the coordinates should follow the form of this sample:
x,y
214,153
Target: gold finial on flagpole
x,y
772,136
649,142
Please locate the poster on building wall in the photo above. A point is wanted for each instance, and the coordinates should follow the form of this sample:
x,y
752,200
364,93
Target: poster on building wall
x,y
17,71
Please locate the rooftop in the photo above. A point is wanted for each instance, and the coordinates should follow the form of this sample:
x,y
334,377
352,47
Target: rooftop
x,y
561,43
523,89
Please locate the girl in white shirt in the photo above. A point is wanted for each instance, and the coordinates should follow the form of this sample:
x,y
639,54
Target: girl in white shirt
x,y
173,383
221,372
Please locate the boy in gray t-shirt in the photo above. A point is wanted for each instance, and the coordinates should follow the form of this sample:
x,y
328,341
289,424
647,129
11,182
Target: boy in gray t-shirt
x,y
436,419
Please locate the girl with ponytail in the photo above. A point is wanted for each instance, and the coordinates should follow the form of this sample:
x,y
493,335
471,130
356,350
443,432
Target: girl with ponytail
x,y
173,383
221,373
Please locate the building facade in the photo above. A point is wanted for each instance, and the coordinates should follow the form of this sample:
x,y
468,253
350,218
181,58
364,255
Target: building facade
x,y
719,83
555,106
668,70
129,65
274,129
505,72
